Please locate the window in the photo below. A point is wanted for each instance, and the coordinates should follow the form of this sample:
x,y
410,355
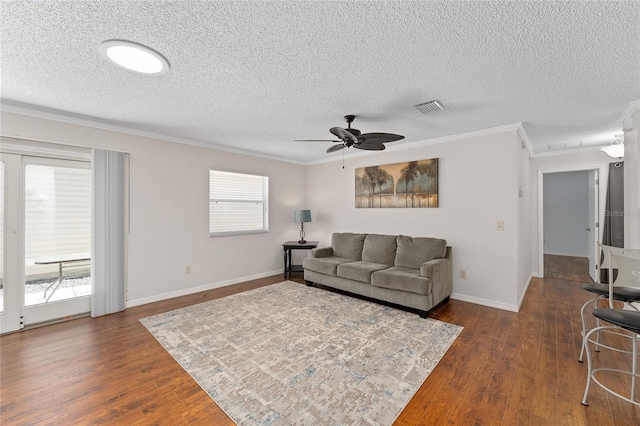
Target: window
x,y
238,203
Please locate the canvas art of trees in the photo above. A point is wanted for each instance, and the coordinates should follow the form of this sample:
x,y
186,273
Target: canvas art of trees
x,y
400,185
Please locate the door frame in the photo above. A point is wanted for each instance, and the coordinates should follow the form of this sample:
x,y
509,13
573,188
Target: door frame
x,y
16,151
594,223
11,317
600,198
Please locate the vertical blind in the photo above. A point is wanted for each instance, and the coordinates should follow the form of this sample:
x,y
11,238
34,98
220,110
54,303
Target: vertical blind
x,y
108,245
238,203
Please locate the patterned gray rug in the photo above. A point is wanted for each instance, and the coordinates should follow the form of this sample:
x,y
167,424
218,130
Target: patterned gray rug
x,y
288,354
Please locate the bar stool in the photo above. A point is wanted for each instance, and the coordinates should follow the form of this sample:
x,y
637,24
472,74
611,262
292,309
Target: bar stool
x,y
621,320
625,288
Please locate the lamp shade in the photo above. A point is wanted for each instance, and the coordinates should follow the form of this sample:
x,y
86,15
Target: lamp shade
x,y
302,216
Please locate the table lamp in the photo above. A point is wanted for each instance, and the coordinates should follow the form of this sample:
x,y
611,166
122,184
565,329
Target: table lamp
x,y
302,216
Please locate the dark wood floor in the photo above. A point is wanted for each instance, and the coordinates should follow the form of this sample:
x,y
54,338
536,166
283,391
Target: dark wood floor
x,y
504,369
569,268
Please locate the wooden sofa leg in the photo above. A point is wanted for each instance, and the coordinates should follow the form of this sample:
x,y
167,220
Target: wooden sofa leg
x,y
308,283
423,314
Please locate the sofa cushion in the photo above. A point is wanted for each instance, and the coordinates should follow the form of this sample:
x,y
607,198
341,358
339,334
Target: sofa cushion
x,y
359,271
413,252
347,245
379,249
402,279
324,265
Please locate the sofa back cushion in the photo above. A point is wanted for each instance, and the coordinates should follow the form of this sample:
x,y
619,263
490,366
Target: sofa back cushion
x,y
379,249
347,245
413,252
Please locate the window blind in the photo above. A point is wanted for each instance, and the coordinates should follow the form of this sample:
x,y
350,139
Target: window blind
x,y
238,203
57,210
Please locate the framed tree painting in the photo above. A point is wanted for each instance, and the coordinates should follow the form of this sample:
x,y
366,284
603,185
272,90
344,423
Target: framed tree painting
x,y
413,184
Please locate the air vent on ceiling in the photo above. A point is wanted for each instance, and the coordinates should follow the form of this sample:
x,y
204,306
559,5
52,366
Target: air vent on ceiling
x,y
429,107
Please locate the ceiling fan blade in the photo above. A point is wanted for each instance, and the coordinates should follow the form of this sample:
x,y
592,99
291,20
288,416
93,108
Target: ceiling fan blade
x,y
315,140
343,134
335,148
369,138
369,146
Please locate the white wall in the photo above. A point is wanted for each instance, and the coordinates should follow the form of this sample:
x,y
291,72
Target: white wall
x,y
560,163
478,187
480,182
566,213
524,222
169,209
632,184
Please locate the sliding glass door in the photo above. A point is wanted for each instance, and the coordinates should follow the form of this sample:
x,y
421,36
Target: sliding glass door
x,y
46,240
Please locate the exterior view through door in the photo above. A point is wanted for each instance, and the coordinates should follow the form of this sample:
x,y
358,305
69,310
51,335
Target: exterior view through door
x,y
46,236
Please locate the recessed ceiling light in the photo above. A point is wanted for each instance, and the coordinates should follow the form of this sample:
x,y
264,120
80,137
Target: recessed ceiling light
x,y
134,57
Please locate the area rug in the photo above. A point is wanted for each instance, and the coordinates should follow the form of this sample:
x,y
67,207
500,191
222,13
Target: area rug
x,y
287,354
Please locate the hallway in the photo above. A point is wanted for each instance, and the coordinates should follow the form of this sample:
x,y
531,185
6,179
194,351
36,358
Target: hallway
x,y
569,268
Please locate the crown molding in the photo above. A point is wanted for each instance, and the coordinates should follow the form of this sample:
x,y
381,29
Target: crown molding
x,y
61,117
527,142
631,108
567,151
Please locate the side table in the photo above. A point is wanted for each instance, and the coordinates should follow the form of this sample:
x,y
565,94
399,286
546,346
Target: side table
x,y
294,245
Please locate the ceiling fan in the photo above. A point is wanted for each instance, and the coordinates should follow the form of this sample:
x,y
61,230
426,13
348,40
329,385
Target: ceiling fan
x,y
353,138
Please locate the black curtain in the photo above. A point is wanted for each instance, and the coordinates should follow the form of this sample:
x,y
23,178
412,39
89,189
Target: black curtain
x,y
613,233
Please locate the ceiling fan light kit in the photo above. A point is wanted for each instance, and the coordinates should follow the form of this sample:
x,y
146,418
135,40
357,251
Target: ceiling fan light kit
x,y
354,138
615,150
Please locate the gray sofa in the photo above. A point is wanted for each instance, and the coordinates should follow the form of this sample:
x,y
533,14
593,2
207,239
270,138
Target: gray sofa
x,y
411,272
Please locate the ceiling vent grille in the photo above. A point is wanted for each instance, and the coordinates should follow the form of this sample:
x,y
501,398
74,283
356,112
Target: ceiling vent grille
x,y
429,107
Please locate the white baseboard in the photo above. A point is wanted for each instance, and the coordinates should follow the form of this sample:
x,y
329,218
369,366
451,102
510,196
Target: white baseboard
x,y
211,286
493,303
187,291
485,302
526,287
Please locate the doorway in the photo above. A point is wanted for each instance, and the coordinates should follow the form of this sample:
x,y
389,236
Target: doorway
x,y
45,216
569,211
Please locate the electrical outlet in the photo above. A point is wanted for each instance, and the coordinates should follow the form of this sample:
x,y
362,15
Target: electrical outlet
x,y
500,226
463,274
187,270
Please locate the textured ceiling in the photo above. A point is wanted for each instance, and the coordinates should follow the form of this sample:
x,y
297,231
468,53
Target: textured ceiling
x,y
255,75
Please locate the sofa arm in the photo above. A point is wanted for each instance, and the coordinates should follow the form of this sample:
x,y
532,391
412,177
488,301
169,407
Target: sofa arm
x,y
322,252
435,267
440,273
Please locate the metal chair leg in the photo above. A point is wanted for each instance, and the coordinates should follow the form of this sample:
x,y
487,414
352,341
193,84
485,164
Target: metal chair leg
x,y
585,344
584,325
592,371
634,366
